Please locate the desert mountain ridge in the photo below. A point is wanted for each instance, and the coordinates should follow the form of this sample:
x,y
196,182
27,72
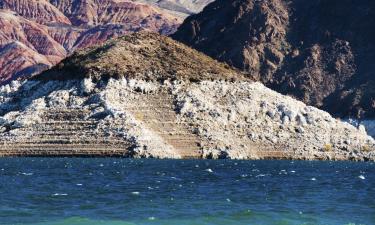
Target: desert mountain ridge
x,y
321,52
156,103
37,34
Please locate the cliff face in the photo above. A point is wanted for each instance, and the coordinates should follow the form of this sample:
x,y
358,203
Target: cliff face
x,y
143,95
53,29
321,52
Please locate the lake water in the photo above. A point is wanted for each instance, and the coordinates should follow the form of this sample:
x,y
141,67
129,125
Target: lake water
x,y
127,191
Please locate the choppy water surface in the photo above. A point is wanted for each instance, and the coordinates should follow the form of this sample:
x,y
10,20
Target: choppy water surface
x,y
127,191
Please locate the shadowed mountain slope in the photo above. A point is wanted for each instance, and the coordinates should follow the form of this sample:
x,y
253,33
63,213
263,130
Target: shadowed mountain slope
x,y
321,52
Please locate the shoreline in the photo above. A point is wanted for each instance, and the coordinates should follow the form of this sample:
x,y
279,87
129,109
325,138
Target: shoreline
x,y
122,156
140,119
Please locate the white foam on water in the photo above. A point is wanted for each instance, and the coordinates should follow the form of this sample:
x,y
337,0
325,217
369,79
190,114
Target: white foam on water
x,y
27,174
362,177
79,184
313,179
262,175
135,193
60,194
209,170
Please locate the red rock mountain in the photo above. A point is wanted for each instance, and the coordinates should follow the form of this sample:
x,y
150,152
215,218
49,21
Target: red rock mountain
x,y
36,34
319,51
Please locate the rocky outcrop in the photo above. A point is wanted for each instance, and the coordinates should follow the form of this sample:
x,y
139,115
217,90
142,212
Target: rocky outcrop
x,y
321,52
54,29
142,96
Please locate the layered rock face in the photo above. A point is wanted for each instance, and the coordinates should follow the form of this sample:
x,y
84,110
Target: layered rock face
x,y
51,30
321,52
182,8
142,96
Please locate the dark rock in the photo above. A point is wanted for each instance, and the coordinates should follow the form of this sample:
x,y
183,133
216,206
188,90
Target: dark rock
x,y
321,52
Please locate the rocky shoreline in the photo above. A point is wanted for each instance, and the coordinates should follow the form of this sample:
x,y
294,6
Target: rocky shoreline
x,y
147,96
180,119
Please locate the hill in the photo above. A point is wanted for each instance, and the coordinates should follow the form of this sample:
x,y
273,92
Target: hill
x,y
145,95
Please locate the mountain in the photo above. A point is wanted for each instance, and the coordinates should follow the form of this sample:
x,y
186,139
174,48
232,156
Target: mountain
x,y
41,33
146,95
321,52
182,8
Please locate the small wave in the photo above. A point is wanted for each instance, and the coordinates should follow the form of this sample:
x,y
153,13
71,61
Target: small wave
x,y
209,170
60,194
262,175
362,177
27,174
313,179
135,193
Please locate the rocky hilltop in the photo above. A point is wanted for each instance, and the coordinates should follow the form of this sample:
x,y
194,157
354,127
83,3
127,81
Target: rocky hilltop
x,y
143,96
321,52
36,34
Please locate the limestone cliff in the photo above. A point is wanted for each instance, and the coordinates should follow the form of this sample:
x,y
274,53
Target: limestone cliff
x,y
144,96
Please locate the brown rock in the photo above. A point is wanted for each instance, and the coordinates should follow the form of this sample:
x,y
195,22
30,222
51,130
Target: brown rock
x,y
141,55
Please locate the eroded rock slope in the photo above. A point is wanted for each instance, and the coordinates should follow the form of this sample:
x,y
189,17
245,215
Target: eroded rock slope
x,y
41,33
162,106
321,52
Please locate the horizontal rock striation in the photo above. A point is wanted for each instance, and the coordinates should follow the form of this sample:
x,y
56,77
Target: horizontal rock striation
x,y
168,109
182,8
180,119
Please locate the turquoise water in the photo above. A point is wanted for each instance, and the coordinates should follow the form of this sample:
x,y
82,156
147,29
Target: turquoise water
x,y
126,191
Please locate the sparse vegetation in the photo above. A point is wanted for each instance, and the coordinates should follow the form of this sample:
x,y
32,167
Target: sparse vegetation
x,y
327,147
142,55
366,148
